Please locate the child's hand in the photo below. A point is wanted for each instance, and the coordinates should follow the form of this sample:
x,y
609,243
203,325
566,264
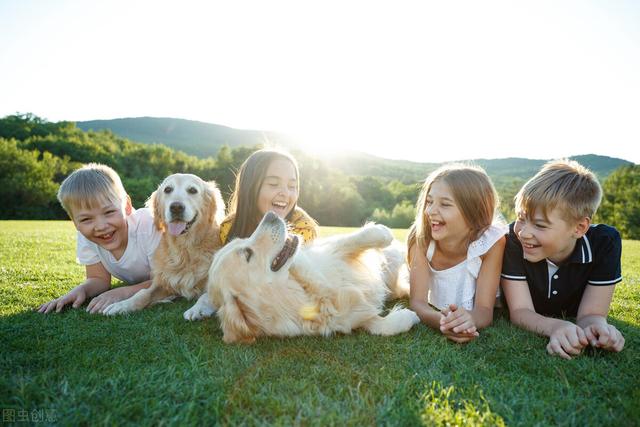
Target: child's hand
x,y
76,297
567,340
462,337
458,325
105,299
457,320
605,336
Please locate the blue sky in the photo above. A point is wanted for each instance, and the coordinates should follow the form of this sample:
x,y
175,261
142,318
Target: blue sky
x,y
419,80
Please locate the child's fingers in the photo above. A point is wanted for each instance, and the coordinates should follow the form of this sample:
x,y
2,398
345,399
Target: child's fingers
x,y
619,342
467,324
582,337
452,315
455,321
62,302
43,307
574,340
592,337
79,301
98,306
554,349
51,306
604,337
567,345
91,304
461,339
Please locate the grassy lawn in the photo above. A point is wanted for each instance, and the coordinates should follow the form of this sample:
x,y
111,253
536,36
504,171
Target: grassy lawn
x,y
154,368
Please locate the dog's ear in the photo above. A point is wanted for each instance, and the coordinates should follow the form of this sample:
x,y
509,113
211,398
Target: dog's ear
x,y
214,204
153,203
233,321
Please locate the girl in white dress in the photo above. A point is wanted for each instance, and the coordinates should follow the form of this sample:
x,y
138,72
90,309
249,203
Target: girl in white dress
x,y
455,252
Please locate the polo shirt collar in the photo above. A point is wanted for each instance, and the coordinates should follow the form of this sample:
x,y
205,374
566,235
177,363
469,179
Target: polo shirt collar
x,y
582,253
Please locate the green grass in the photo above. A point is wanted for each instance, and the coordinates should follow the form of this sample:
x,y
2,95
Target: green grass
x,y
154,368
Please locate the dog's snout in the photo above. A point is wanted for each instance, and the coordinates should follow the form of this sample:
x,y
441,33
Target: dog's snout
x,y
270,217
176,208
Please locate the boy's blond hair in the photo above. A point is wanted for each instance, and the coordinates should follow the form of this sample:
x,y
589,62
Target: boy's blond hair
x,y
91,185
564,184
474,194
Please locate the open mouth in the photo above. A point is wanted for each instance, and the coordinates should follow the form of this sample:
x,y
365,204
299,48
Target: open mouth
x,y
290,246
177,228
529,246
106,237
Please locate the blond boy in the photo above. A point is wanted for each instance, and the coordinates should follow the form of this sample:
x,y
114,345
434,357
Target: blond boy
x,y
113,238
557,264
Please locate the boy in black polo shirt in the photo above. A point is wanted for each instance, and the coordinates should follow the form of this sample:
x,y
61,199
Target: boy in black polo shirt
x,y
557,264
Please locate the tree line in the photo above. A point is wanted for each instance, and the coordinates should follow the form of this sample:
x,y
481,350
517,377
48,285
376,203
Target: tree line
x,y
36,155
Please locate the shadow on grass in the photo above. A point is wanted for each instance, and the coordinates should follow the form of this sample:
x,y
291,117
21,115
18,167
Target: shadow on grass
x,y
153,367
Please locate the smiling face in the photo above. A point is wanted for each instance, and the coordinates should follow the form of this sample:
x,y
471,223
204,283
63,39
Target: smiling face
x,y
103,223
550,237
443,214
279,189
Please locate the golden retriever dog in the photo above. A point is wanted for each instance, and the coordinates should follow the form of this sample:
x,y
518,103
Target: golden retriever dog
x,y
188,212
269,285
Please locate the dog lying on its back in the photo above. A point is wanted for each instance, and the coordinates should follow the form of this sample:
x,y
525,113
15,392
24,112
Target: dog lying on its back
x,y
268,284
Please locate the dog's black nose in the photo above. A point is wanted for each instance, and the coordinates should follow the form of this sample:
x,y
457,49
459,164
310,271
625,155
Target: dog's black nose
x,y
176,208
270,217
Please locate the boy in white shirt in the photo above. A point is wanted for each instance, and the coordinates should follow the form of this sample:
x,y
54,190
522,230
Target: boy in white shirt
x,y
113,238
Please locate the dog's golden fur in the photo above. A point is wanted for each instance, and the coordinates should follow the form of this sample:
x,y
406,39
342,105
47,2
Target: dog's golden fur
x,y
188,211
342,281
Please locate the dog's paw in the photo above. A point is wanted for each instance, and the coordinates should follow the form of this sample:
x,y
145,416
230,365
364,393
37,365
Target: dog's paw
x,y
198,312
378,235
409,318
120,307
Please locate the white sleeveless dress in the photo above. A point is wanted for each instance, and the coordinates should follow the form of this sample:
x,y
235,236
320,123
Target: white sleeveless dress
x,y
457,284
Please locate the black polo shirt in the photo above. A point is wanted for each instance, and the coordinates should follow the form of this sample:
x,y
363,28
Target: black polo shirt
x,y
594,261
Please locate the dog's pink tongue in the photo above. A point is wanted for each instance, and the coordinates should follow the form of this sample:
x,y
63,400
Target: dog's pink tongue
x,y
175,228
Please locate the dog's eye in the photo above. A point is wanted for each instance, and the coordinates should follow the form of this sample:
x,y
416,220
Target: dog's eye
x,y
168,189
248,253
192,190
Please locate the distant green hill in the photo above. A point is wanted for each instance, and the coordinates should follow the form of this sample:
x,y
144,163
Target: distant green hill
x,y
500,170
205,139
193,137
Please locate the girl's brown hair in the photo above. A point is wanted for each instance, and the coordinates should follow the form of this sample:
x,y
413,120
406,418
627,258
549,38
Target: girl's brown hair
x,y
472,191
243,205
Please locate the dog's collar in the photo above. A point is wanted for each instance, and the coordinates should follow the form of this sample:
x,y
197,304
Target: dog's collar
x,y
189,224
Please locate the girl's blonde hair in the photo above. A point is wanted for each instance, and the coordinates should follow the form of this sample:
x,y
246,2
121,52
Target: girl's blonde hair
x,y
561,183
92,185
243,205
474,194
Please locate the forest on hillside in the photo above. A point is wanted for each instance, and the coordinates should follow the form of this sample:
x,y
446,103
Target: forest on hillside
x,y
36,155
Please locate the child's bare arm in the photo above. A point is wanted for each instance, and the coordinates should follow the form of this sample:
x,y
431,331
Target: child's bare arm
x,y
98,280
419,277
565,338
102,301
592,318
487,286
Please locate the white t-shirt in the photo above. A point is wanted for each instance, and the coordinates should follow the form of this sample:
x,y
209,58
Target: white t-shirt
x,y
135,264
457,284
